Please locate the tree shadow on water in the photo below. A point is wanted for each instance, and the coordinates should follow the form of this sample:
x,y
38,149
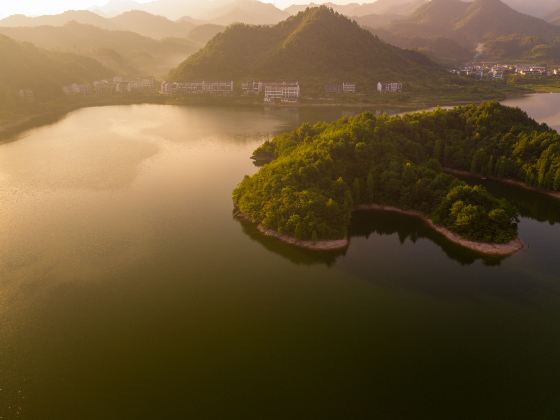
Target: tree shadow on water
x,y
382,223
364,224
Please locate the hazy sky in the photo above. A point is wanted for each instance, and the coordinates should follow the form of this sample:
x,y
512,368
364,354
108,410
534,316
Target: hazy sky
x,y
40,7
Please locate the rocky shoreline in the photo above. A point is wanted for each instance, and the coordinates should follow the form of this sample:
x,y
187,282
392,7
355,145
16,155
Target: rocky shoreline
x,y
498,250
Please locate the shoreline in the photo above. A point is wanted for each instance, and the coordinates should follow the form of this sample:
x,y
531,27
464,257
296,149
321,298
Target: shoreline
x,y
505,181
493,250
498,250
325,245
13,125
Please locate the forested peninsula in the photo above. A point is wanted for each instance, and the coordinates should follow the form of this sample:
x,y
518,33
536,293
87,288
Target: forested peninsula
x,y
314,177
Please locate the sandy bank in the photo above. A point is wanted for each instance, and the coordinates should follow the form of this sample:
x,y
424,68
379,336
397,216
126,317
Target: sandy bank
x,y
333,245
480,247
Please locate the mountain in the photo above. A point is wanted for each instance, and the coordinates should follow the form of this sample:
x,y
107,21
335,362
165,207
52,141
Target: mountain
x,y
25,66
471,25
138,21
554,17
153,26
204,33
315,47
126,53
357,10
116,7
251,12
377,21
80,16
223,12
537,8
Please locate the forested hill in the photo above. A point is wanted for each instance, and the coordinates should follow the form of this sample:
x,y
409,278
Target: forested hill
x,y
315,46
45,72
317,174
489,28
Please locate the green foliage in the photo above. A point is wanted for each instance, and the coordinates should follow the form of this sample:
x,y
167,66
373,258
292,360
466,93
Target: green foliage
x,y
315,47
316,175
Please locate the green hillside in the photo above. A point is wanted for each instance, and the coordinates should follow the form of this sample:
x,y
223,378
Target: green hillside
x,y
25,66
314,47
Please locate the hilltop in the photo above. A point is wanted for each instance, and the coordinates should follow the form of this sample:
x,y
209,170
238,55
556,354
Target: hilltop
x,y
314,47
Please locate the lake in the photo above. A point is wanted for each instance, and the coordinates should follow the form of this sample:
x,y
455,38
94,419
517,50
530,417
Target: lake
x,y
129,291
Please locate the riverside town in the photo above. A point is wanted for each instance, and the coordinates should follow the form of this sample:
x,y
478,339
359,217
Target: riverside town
x,y
272,92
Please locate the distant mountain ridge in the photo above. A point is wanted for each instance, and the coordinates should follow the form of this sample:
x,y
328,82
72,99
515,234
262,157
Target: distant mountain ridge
x,y
223,12
316,46
475,25
125,52
144,23
27,67
357,10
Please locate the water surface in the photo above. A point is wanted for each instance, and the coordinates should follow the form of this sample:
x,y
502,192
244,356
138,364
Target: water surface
x,y
129,291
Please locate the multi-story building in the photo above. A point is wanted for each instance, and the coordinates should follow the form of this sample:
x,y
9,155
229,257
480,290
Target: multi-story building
x,y
348,87
77,89
103,88
389,87
218,88
336,89
283,92
251,88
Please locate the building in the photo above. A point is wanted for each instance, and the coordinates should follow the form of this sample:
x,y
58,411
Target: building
x,y
333,89
103,88
497,74
531,70
216,88
389,87
252,88
26,95
337,89
348,87
283,92
77,89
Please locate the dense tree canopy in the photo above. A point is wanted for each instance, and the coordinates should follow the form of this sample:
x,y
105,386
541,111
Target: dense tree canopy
x,y
316,175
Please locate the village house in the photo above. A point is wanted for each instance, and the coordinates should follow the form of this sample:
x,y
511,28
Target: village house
x,y
389,87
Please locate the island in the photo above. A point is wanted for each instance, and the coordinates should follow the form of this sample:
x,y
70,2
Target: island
x,y
314,177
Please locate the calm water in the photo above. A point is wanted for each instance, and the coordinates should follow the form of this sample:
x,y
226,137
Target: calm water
x,y
128,290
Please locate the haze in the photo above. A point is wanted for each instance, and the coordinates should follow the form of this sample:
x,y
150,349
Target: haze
x,y
35,8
